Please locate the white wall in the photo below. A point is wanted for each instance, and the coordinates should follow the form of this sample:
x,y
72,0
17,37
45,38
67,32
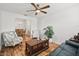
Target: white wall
x,y
0,21
65,23
8,21
0,30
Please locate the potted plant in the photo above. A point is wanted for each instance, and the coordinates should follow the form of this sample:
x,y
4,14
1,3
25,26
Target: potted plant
x,y
49,32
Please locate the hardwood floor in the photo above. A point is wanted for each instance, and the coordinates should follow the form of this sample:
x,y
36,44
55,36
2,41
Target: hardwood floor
x,y
52,47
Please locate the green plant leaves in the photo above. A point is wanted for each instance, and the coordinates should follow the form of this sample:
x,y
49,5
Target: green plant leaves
x,y
49,31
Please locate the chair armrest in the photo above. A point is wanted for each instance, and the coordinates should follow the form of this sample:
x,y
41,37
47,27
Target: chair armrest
x,y
72,43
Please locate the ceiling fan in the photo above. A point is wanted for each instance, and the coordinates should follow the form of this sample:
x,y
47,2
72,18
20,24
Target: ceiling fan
x,y
38,8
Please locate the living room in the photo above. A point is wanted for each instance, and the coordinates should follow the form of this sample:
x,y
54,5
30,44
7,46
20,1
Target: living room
x,y
63,17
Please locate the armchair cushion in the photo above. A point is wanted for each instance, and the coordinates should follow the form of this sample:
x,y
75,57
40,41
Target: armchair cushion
x,y
69,48
10,38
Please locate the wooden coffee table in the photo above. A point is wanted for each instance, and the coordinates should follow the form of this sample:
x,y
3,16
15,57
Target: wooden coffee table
x,y
34,46
52,47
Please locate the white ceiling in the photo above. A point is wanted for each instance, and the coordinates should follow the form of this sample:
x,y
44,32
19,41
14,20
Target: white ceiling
x,y
22,7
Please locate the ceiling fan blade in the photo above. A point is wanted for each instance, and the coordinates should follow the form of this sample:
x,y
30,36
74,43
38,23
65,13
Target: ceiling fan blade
x,y
34,6
45,7
37,5
44,12
29,10
25,14
36,13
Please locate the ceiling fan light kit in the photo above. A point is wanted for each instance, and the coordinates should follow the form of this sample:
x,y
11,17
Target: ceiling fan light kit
x,y
38,11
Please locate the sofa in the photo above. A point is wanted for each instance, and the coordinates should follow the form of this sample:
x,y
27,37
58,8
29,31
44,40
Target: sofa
x,y
68,48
